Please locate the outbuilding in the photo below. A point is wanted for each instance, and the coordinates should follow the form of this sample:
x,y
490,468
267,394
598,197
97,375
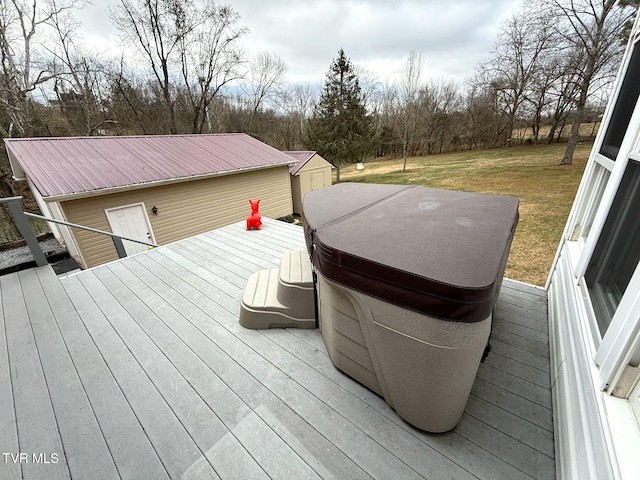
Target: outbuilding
x,y
156,188
310,172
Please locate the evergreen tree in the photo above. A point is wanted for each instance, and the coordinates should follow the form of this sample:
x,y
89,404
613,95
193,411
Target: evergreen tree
x,y
340,129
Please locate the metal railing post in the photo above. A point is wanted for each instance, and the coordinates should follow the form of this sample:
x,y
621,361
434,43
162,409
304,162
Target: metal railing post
x,y
119,247
25,229
27,233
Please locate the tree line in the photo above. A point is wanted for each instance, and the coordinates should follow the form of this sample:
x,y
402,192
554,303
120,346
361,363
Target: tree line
x,y
550,65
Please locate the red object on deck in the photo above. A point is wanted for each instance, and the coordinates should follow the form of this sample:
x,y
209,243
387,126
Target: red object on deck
x,y
254,220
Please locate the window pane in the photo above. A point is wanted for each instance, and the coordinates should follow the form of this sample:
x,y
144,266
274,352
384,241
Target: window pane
x,y
597,186
617,251
625,103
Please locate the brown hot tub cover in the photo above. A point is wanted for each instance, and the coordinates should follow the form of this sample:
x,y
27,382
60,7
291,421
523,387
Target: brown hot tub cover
x,y
441,253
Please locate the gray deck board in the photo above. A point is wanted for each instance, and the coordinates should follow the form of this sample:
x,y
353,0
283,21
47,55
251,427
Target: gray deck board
x,y
226,455
358,445
36,421
176,448
167,384
514,384
221,350
74,416
129,446
8,425
239,421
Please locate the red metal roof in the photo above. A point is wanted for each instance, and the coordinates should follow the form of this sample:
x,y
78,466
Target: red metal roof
x,y
302,157
76,165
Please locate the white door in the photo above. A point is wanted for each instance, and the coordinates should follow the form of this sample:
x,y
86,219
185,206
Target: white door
x,y
131,221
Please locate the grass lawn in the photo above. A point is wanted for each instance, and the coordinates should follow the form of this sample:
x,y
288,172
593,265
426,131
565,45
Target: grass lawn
x,y
531,173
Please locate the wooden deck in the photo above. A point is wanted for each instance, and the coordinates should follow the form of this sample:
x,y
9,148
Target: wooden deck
x,y
139,369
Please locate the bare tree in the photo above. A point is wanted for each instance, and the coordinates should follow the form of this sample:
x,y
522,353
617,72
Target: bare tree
x,y
210,58
293,106
591,27
408,89
266,75
524,40
157,27
438,100
23,25
483,121
82,88
128,101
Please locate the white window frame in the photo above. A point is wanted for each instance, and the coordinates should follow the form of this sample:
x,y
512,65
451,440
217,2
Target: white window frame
x,y
613,351
634,401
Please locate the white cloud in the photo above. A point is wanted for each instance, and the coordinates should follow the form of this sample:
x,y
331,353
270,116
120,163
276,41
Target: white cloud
x,y
376,34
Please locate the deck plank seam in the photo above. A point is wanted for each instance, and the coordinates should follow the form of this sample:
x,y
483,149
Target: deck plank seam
x,y
517,391
117,382
44,377
507,432
75,369
501,346
314,369
200,246
237,277
502,315
537,345
389,414
329,406
517,467
547,407
515,409
220,246
208,337
148,377
158,347
500,366
266,237
267,360
169,257
268,246
9,370
539,327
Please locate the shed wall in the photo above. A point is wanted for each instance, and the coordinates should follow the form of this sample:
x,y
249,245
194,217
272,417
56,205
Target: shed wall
x,y
301,184
184,209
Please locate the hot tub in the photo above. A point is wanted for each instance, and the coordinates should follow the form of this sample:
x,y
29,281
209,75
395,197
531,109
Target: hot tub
x,y
407,281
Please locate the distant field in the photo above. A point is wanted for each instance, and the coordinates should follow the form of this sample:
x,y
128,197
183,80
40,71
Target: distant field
x,y
587,131
531,173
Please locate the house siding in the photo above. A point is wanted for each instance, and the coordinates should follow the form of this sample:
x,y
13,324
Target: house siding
x,y
580,436
184,209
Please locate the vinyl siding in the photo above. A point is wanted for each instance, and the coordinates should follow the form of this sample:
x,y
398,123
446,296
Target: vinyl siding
x,y
580,436
184,209
301,183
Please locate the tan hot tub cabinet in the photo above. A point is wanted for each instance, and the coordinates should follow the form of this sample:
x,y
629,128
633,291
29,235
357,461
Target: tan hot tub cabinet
x,y
407,281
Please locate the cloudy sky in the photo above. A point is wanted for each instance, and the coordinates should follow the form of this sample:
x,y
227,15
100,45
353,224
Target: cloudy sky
x,y
453,36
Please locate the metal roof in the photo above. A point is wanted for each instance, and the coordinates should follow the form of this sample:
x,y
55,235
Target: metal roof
x,y
302,157
81,165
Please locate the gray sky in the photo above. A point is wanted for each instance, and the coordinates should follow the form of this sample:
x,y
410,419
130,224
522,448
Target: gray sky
x,y
453,36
